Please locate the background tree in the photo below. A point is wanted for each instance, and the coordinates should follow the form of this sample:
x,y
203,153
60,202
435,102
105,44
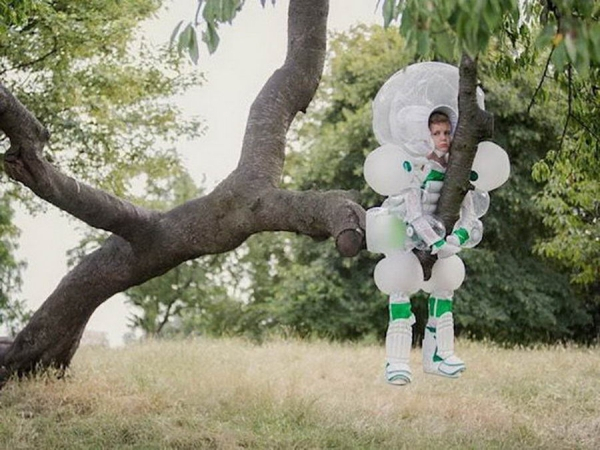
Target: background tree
x,y
13,312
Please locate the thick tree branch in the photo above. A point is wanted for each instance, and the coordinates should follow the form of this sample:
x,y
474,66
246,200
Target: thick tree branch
x,y
315,214
474,126
289,90
24,162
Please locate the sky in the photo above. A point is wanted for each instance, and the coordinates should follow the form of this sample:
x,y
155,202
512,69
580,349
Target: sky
x,y
249,51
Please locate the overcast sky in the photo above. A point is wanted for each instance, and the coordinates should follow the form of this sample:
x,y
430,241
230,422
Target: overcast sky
x,y
249,51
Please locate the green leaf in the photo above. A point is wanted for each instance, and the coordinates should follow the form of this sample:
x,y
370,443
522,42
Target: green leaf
x,y
193,47
559,57
422,43
389,12
490,15
570,47
175,33
211,37
184,38
445,46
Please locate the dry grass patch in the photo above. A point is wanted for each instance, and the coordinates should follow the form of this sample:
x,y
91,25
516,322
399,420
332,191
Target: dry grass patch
x,y
291,394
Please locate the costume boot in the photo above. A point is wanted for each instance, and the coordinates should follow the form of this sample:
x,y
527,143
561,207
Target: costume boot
x,y
438,343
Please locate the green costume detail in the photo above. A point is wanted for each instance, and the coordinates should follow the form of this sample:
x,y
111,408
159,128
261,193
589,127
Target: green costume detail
x,y
462,235
439,306
400,311
439,243
434,175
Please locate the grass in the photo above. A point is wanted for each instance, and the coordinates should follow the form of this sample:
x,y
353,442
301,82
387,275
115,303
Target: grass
x,y
231,394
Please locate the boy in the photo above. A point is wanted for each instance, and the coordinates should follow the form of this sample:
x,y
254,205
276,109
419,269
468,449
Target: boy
x,y
438,345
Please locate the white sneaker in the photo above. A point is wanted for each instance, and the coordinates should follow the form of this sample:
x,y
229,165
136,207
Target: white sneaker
x,y
451,366
398,343
398,374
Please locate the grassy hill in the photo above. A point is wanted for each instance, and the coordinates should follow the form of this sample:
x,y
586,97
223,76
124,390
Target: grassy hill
x,y
231,394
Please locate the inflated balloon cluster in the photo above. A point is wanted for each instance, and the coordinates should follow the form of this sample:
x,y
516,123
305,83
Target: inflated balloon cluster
x,y
399,169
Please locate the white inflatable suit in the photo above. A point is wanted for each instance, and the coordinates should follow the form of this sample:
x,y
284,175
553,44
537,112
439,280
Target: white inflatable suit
x,y
399,169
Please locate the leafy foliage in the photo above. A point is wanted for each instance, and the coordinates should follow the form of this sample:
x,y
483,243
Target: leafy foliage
x,y
209,15
448,28
570,199
101,92
13,312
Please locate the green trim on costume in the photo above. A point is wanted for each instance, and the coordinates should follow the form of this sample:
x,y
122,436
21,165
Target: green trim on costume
x,y
439,306
400,311
439,243
462,235
407,166
434,175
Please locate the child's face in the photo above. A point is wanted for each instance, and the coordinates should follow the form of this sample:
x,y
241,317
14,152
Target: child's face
x,y
440,133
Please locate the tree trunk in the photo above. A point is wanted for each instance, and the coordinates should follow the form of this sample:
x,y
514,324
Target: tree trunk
x,y
146,243
474,126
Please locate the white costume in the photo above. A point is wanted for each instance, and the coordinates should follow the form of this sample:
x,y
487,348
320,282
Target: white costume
x,y
399,169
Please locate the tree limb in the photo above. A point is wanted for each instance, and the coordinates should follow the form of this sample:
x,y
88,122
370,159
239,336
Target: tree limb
x,y
288,91
543,77
24,162
474,125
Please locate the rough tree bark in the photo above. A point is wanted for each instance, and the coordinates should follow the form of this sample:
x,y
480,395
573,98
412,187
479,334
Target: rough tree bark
x,y
146,243
474,125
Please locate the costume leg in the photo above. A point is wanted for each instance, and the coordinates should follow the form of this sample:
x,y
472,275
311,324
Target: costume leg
x,y
398,340
438,344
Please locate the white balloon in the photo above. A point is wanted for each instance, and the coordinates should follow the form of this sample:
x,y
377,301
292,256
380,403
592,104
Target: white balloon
x,y
387,170
427,286
447,274
400,272
386,232
491,166
480,201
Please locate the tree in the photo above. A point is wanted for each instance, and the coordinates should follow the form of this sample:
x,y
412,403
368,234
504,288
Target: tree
x,y
193,292
101,92
147,243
